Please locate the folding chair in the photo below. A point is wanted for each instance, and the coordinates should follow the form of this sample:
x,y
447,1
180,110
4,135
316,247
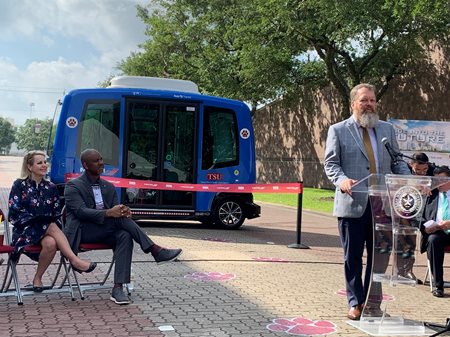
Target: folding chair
x,y
92,247
11,274
7,250
428,272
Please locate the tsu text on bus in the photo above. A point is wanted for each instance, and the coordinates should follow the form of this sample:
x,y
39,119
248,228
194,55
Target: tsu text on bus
x,y
162,130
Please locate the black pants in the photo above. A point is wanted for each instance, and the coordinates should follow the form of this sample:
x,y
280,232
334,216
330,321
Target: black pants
x,y
435,252
119,233
357,233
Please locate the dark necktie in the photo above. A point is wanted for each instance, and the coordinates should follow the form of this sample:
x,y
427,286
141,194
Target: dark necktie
x,y
369,150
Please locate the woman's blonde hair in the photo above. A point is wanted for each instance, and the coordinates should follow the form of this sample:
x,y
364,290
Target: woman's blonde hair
x,y
28,160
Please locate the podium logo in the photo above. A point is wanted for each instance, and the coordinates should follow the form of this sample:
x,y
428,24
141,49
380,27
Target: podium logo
x,y
407,202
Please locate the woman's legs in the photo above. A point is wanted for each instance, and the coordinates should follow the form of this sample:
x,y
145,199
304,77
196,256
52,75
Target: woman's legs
x,y
46,256
61,241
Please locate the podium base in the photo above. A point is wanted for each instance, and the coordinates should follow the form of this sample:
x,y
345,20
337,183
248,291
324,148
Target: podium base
x,y
391,326
298,246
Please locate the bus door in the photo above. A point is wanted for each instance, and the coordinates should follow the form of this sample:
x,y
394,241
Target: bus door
x,y
160,146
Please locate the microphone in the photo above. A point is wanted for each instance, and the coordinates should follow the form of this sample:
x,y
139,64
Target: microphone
x,y
390,150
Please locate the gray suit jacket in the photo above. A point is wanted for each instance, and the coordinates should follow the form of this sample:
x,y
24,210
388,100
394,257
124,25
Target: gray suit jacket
x,y
346,158
80,206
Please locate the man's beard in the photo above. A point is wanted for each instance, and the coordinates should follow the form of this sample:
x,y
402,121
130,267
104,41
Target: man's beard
x,y
369,119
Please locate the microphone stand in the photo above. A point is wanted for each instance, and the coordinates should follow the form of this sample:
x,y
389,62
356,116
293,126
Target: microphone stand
x,y
401,156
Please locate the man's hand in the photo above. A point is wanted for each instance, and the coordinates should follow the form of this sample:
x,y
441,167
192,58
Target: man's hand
x,y
346,186
118,211
431,229
444,225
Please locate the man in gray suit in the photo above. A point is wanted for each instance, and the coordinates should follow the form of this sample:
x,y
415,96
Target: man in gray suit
x,y
354,151
94,215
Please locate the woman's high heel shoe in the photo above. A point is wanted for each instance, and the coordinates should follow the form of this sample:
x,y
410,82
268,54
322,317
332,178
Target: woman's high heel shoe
x,y
38,289
92,266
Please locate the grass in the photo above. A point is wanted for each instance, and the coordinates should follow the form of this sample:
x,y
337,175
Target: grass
x,y
313,199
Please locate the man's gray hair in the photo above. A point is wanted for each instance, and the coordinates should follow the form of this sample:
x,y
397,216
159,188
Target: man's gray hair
x,y
354,91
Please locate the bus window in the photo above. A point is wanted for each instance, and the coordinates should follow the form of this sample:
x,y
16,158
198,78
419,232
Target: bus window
x,y
179,144
142,140
99,129
220,146
178,152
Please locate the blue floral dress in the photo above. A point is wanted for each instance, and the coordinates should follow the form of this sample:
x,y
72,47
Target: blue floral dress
x,y
26,201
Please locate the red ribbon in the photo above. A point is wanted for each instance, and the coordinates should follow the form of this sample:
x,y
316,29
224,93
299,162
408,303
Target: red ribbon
x,y
168,186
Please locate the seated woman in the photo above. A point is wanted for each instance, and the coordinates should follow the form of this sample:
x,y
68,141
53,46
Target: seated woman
x,y
34,209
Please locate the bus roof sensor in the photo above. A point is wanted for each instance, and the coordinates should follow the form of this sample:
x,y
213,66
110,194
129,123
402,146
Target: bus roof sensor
x,y
153,83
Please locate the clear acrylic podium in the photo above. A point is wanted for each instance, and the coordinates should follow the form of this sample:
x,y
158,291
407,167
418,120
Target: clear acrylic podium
x,y
397,203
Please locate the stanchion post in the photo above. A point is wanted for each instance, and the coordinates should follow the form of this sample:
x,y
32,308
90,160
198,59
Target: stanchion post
x,y
298,244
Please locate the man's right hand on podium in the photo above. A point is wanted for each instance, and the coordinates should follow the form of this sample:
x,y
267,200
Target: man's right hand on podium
x,y
346,186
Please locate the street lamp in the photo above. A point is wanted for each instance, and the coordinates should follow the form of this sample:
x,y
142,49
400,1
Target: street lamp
x,y
31,108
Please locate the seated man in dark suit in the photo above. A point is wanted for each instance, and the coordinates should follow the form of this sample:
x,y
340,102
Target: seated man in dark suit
x,y
420,166
95,215
436,229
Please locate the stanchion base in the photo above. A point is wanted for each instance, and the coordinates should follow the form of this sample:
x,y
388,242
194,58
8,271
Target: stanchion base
x,y
298,246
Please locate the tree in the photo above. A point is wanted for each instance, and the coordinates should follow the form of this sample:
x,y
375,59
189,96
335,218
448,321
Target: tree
x,y
257,51
7,133
207,42
34,134
366,41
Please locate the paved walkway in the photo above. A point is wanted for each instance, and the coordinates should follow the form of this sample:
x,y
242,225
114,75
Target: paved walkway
x,y
219,288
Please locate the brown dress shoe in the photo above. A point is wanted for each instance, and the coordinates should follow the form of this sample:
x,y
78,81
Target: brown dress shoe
x,y
354,313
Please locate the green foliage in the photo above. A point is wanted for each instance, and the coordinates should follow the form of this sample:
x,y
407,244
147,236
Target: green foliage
x,y
105,83
7,133
257,50
29,139
312,199
213,44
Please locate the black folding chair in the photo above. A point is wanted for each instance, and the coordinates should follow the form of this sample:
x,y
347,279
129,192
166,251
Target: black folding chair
x,y
91,247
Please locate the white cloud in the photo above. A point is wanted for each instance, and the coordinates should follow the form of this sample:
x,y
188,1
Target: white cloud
x,y
106,30
102,22
43,84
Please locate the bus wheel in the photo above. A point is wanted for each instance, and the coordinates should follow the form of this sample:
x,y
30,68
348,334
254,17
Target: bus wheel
x,y
229,214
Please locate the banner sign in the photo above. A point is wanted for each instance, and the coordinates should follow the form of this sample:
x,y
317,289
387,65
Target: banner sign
x,y
430,137
168,186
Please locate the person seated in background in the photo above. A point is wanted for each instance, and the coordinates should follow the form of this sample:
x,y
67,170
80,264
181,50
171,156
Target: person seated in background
x,y
420,165
94,215
435,229
34,208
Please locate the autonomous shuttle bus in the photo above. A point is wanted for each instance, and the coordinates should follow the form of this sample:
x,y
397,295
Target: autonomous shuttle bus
x,y
162,130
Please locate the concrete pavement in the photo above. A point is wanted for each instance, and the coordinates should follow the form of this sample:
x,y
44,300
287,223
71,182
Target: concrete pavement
x,y
227,283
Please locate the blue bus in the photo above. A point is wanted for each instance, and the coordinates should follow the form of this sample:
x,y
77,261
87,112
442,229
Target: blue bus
x,y
162,130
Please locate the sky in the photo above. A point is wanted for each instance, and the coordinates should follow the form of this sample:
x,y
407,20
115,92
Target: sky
x,y
48,47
